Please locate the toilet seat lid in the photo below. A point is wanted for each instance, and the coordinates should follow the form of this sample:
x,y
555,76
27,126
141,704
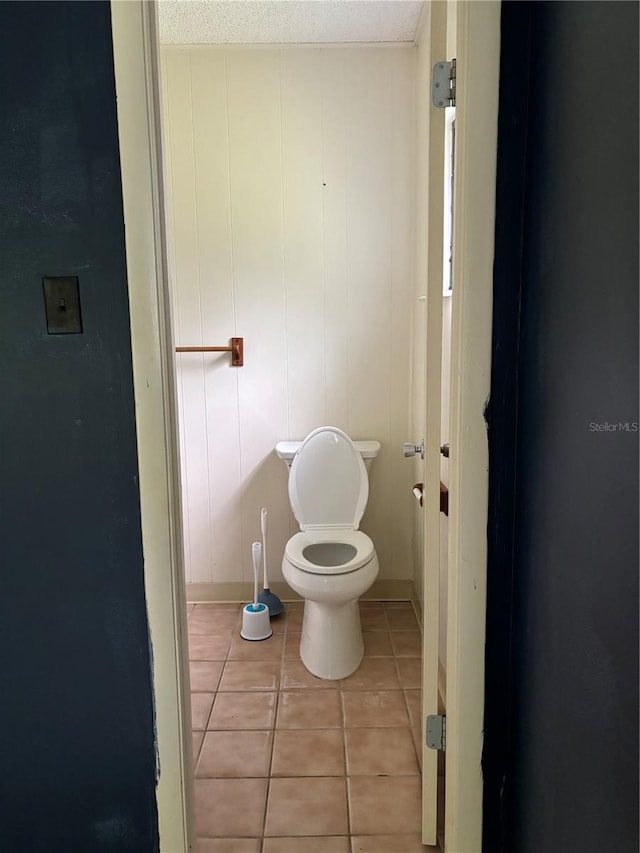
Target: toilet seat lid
x,y
328,483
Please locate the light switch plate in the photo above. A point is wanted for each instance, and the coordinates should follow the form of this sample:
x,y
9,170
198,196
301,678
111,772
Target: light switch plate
x,y
62,305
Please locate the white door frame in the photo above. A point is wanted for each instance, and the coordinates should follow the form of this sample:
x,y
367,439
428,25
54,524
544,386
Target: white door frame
x,y
134,26
478,71
434,33
477,40
135,49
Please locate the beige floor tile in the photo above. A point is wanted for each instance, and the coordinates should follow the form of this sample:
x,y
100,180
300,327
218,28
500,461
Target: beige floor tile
x,y
304,709
375,709
196,738
380,705
292,646
279,623
243,711
384,805
414,704
317,806
228,845
410,670
373,674
318,844
294,619
380,752
213,622
389,844
190,608
377,644
208,646
407,644
204,675
373,620
295,675
200,709
402,620
249,675
270,650
230,807
235,754
218,605
308,752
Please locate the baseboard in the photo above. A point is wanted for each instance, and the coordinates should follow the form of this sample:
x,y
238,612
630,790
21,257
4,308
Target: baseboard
x,y
417,609
241,591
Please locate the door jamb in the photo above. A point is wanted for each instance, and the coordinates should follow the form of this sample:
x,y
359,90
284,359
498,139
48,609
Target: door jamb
x,y
435,35
477,83
136,66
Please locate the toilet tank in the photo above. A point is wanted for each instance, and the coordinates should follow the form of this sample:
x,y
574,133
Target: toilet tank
x,y
286,450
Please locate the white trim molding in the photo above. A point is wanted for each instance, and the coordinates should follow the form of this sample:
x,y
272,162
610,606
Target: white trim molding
x,y
477,83
134,31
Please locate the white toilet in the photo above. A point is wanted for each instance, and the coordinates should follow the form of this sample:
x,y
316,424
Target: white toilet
x,y
330,563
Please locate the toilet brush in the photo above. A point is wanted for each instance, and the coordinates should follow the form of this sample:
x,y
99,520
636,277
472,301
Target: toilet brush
x,y
266,596
255,616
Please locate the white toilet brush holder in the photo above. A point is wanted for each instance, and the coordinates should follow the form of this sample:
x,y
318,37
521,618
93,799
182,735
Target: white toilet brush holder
x,y
255,617
255,623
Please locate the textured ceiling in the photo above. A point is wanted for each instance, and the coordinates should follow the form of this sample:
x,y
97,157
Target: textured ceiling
x,y
287,21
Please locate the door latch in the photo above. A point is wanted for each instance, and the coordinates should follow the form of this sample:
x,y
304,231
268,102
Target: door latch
x,y
410,449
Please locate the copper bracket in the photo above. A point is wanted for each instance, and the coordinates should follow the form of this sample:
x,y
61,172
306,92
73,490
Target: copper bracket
x,y
236,349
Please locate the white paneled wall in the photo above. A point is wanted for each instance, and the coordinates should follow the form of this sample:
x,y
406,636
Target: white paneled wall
x,y
290,193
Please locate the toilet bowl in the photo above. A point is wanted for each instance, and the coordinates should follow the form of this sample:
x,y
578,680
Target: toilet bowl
x,y
330,563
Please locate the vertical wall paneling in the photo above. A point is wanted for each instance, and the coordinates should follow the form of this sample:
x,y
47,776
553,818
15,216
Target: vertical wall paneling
x,y
175,302
186,269
422,99
255,140
303,224
335,106
303,237
369,267
218,324
402,302
291,198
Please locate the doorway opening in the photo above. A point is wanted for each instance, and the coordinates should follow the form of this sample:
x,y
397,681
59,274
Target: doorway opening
x,y
290,174
465,477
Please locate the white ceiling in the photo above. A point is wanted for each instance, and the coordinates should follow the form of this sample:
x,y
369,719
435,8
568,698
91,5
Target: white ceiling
x,y
287,21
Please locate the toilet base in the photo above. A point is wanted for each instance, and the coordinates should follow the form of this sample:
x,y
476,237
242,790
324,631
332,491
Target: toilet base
x,y
331,645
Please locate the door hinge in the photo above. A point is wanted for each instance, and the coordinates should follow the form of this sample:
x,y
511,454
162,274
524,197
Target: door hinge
x,y
436,731
443,84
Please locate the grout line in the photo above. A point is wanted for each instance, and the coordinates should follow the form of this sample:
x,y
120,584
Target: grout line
x,y
273,728
346,768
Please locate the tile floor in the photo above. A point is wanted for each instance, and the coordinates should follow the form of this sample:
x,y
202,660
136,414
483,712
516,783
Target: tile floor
x,y
289,763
